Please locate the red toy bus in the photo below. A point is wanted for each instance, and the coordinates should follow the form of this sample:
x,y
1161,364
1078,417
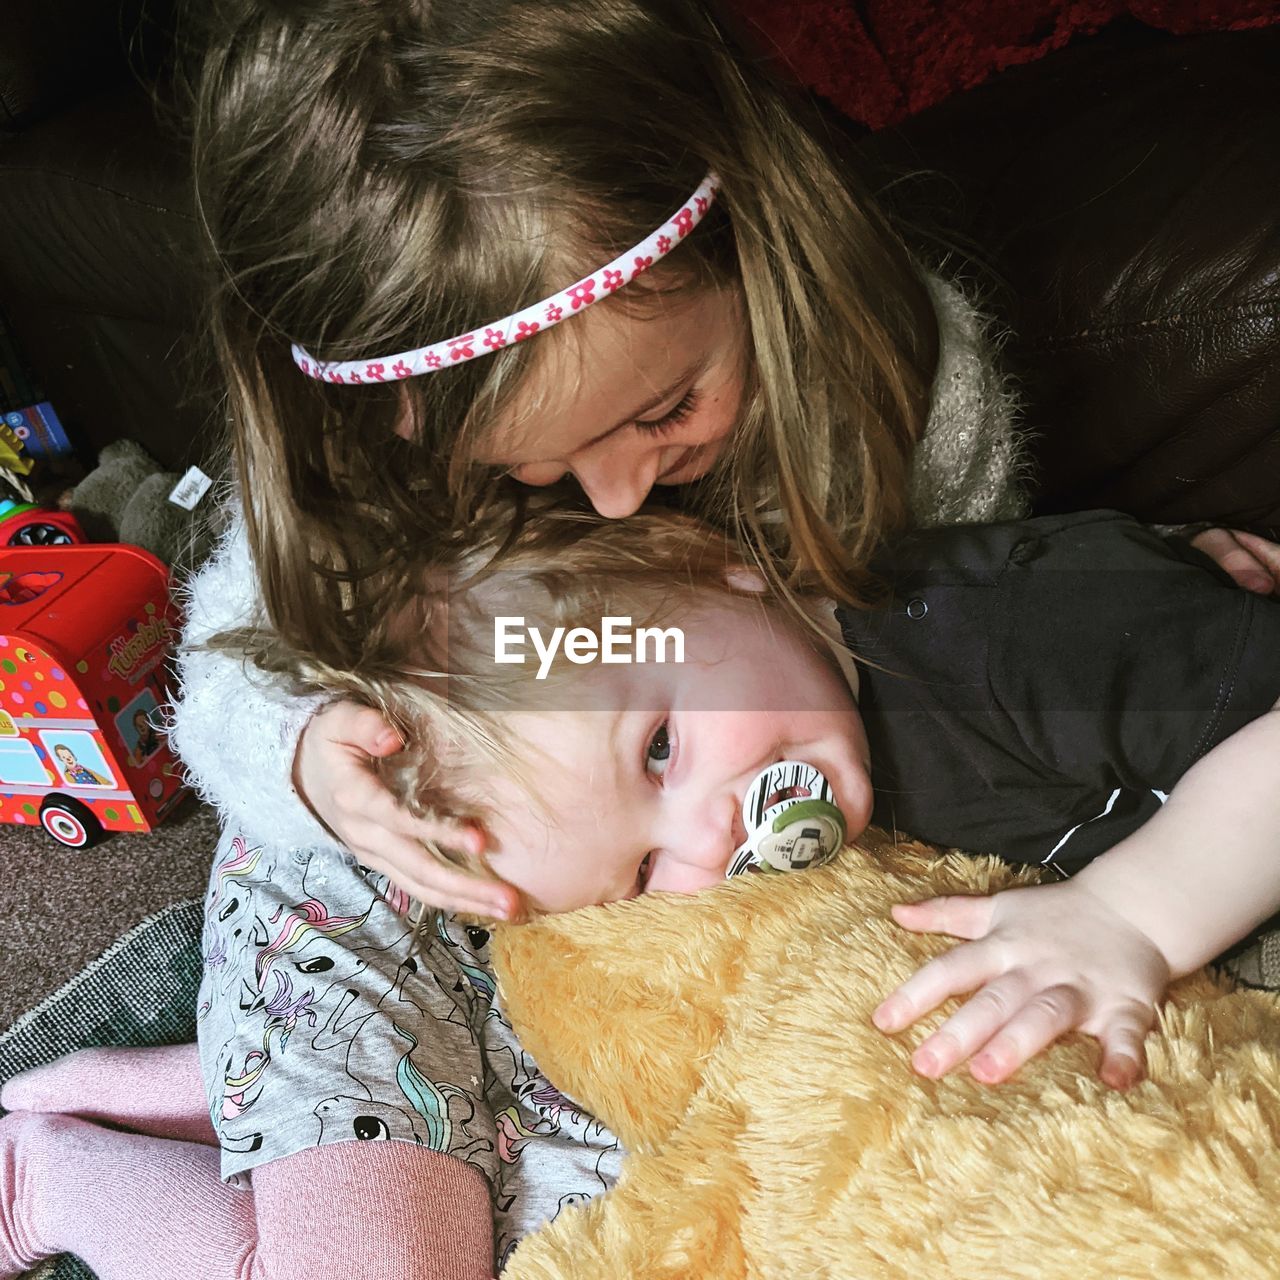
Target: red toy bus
x,y
85,637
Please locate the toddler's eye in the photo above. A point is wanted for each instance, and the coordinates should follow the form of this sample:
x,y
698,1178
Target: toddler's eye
x,y
659,751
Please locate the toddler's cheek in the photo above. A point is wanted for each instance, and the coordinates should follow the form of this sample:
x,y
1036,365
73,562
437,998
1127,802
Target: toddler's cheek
x,y
669,876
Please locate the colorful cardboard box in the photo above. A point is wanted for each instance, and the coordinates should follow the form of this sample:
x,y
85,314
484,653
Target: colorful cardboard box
x,y
86,634
41,433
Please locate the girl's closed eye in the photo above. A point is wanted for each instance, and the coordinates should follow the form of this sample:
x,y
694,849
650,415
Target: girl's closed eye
x,y
657,754
672,418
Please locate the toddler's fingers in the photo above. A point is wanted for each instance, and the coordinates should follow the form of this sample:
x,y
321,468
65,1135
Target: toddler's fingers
x,y
1049,1014
1124,1053
360,727
459,837
958,970
370,808
959,915
971,1026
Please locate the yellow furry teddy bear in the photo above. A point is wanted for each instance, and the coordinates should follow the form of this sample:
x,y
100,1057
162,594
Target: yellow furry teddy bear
x,y
772,1131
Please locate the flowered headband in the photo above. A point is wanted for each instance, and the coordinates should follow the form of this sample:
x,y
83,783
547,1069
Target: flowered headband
x,y
523,324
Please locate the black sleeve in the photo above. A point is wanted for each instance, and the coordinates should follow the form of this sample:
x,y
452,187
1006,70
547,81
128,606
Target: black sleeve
x,y
1035,689
1123,656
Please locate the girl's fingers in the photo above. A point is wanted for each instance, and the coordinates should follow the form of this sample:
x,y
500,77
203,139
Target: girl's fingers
x,y
369,807
386,743
1237,558
1048,1015
1263,550
356,726
960,915
956,971
423,877
459,837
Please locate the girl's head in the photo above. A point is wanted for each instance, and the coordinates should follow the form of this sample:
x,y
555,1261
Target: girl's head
x,y
378,175
598,779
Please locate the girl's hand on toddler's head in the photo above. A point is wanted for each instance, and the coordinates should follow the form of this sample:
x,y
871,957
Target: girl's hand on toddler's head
x,y
333,774
1047,959
1252,561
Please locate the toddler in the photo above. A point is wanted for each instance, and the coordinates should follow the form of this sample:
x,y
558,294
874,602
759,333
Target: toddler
x,y
1143,738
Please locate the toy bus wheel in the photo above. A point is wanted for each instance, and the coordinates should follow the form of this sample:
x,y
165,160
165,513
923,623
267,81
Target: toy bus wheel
x,y
69,822
40,533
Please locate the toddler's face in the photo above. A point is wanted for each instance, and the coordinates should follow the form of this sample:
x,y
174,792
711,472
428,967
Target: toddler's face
x,y
645,792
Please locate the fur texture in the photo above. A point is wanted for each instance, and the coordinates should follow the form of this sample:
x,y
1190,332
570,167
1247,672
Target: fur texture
x,y
773,1132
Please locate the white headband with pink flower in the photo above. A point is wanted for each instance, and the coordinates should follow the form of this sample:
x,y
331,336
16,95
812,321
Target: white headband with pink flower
x,y
523,324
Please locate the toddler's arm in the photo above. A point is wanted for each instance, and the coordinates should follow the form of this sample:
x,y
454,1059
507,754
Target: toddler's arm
x,y
1097,952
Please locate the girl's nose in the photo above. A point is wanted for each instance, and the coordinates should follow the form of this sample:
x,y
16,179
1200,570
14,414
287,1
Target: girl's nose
x,y
618,481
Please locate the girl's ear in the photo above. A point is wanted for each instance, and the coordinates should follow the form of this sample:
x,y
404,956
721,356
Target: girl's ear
x,y
406,420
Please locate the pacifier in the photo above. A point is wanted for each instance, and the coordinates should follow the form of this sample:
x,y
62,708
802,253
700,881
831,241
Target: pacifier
x,y
791,819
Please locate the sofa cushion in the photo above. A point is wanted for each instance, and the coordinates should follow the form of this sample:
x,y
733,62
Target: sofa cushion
x,y
1122,196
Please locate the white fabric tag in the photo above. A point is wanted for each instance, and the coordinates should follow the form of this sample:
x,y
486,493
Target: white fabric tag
x,y
190,489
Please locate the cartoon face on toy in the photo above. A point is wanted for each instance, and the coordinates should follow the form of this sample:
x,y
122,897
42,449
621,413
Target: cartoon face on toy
x,y
77,774
793,849
791,821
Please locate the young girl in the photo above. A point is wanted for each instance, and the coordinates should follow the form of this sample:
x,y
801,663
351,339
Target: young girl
x,y
466,245
598,781
375,177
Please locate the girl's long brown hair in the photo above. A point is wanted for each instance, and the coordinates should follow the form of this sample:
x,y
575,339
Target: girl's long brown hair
x,y
376,174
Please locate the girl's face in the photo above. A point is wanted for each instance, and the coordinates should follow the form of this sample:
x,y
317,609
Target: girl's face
x,y
630,402
643,791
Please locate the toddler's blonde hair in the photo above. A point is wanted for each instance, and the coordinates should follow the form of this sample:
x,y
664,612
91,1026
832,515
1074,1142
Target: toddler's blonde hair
x,y
435,677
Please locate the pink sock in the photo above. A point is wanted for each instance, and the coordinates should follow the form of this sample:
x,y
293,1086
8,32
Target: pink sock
x,y
142,1208
155,1091
130,1206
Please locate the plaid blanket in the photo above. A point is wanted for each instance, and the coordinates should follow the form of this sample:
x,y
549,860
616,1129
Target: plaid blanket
x,y
141,991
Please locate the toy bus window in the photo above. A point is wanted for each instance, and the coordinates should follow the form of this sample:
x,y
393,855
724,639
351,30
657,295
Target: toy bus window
x,y
136,725
26,587
77,758
20,764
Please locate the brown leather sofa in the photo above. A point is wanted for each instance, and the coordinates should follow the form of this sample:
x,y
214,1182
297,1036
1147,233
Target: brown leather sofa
x,y
1117,201
1121,199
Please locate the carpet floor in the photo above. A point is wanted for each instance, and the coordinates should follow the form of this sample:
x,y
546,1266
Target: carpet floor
x,y
60,907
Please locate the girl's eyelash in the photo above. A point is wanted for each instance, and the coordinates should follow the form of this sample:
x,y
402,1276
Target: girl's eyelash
x,y
672,418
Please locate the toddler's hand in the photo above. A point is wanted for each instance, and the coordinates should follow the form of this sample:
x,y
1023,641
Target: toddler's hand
x,y
1252,561
1047,958
334,775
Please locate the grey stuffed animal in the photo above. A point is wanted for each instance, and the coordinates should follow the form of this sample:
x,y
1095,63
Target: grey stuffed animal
x,y
126,499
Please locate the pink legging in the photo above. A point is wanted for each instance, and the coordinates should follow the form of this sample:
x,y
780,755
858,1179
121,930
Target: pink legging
x,y
150,1204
